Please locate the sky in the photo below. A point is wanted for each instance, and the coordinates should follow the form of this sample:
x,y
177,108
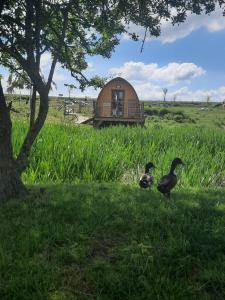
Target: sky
x,y
187,59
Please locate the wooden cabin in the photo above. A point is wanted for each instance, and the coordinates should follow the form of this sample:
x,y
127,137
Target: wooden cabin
x,y
118,103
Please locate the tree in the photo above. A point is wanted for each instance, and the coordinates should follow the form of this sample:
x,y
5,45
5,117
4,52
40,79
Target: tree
x,y
208,99
69,31
165,90
70,87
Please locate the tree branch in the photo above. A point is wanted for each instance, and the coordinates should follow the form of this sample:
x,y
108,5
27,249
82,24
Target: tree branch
x,y
51,73
28,31
16,71
143,41
38,59
61,41
26,66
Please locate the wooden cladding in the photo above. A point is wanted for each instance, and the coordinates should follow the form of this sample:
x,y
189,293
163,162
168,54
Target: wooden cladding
x,y
118,100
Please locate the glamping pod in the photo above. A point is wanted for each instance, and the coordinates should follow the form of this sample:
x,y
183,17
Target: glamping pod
x,y
118,103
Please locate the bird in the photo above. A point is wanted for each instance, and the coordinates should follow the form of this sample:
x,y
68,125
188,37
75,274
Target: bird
x,y
169,181
146,179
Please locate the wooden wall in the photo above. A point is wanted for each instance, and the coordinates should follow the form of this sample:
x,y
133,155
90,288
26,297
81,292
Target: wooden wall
x,y
131,101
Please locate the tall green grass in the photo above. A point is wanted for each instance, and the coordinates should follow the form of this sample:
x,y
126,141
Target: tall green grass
x,y
71,154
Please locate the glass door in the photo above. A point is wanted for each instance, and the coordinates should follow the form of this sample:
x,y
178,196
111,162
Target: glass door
x,y
117,103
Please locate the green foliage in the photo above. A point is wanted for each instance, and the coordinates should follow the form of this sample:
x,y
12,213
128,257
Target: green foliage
x,y
211,116
111,241
17,80
71,154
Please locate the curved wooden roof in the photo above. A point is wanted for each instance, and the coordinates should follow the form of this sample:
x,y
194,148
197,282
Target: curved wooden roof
x,y
117,79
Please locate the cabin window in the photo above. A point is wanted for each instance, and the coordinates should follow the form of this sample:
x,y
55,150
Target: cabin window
x,y
117,103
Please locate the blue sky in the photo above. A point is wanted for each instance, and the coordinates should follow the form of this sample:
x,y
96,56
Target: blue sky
x,y
188,59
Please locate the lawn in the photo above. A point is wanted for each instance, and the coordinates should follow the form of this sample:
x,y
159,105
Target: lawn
x,y
112,241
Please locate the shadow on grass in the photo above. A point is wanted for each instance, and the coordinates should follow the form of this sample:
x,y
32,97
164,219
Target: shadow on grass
x,y
111,241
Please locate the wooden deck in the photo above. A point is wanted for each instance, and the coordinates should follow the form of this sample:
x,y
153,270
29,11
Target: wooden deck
x,y
105,121
129,117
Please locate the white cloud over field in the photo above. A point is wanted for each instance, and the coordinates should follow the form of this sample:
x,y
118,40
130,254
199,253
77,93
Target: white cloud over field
x,y
149,79
154,92
170,74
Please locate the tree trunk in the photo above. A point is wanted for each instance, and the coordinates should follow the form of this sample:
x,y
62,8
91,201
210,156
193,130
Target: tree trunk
x,y
10,178
23,156
11,185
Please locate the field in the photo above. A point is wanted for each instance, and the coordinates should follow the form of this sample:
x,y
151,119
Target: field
x,y
87,231
72,154
66,153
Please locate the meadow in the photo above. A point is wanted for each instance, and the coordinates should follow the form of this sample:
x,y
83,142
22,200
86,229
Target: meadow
x,y
64,152
72,154
87,231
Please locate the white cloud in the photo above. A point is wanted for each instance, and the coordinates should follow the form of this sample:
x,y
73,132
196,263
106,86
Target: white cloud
x,y
90,67
148,80
213,22
59,76
154,92
46,60
200,95
170,74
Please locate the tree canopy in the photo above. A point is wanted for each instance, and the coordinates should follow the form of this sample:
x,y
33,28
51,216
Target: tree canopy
x,y
71,30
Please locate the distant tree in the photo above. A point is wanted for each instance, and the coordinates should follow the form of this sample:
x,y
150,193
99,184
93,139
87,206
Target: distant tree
x,y
165,90
174,98
208,99
70,87
69,31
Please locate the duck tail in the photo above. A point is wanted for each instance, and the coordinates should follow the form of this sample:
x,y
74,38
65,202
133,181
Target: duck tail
x,y
148,166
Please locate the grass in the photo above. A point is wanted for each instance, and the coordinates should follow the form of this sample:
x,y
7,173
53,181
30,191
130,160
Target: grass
x,y
169,113
201,115
21,109
75,154
86,230
112,241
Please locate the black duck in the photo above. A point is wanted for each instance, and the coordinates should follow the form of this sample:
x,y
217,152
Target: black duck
x,y
168,182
